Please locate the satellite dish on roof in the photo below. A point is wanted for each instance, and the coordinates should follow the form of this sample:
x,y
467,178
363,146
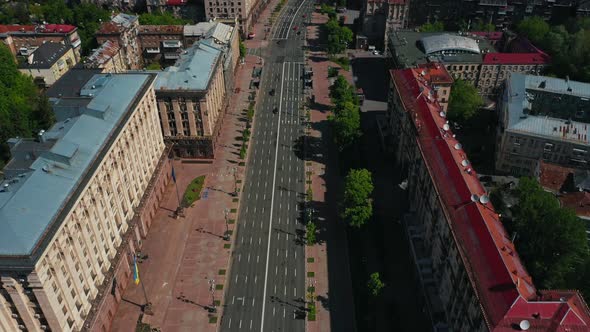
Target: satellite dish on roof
x,y
524,325
484,199
474,198
442,114
446,127
464,162
458,146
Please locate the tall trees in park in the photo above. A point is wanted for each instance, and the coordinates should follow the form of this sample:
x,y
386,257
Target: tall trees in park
x,y
551,240
464,101
357,206
23,110
338,36
86,16
567,44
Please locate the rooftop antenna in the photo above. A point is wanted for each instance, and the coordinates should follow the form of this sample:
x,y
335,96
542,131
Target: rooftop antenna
x,y
524,325
484,199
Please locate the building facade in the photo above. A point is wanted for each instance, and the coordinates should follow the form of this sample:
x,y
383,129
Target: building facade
x,y
501,13
123,30
77,202
469,56
246,12
542,118
24,39
470,274
107,57
161,42
381,17
48,63
192,97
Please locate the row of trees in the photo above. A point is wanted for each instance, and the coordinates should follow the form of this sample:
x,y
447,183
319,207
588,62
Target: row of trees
x,y
339,37
567,44
86,16
550,239
346,120
23,111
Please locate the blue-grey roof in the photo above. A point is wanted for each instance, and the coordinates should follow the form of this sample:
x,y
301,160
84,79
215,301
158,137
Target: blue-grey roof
x,y
31,202
193,71
555,122
449,43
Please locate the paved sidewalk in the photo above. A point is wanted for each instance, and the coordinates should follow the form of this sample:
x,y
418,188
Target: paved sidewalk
x,y
185,253
330,267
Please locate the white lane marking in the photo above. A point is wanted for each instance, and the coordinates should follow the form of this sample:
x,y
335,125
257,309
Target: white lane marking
x,y
239,257
295,270
284,312
250,239
236,279
246,280
250,324
275,289
248,257
256,277
273,312
240,324
257,258
253,299
285,291
295,254
233,298
285,272
276,271
259,240
229,325
294,292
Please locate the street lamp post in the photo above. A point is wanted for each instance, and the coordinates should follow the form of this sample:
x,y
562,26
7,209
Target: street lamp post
x,y
226,234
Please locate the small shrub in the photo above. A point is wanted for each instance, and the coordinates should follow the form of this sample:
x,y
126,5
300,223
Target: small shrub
x,y
310,259
310,274
213,320
219,286
193,191
222,272
332,71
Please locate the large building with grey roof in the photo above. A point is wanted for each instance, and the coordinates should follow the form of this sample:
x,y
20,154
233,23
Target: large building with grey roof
x,y
75,203
473,57
542,118
191,97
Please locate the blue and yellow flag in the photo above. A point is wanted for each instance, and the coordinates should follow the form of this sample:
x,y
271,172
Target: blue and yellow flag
x,y
135,270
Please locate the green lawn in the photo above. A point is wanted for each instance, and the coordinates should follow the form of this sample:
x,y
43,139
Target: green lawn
x,y
193,191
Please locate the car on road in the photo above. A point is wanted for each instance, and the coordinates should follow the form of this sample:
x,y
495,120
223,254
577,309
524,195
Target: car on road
x,y
272,92
304,16
295,28
375,52
251,35
275,110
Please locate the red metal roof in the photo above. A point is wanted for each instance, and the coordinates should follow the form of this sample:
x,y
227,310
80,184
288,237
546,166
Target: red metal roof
x,y
516,58
492,35
47,28
495,270
176,2
434,73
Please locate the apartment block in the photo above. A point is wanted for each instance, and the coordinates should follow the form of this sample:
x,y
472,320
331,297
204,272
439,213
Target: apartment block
x,y
122,30
48,63
107,57
76,203
381,17
542,118
501,13
191,98
470,275
246,12
161,42
24,39
483,59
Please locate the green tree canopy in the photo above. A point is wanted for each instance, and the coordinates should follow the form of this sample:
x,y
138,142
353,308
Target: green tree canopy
x,y
347,124
479,25
550,239
437,26
328,10
357,204
164,18
375,284
342,91
243,49
534,28
338,37
22,110
464,101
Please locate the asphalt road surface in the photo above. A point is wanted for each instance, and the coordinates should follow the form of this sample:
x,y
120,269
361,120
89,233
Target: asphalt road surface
x,y
266,288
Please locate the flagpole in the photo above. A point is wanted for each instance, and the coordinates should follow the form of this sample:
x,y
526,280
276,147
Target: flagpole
x,y
179,208
147,308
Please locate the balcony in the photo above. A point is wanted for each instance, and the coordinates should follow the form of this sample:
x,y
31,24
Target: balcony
x,y
172,44
171,56
152,50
